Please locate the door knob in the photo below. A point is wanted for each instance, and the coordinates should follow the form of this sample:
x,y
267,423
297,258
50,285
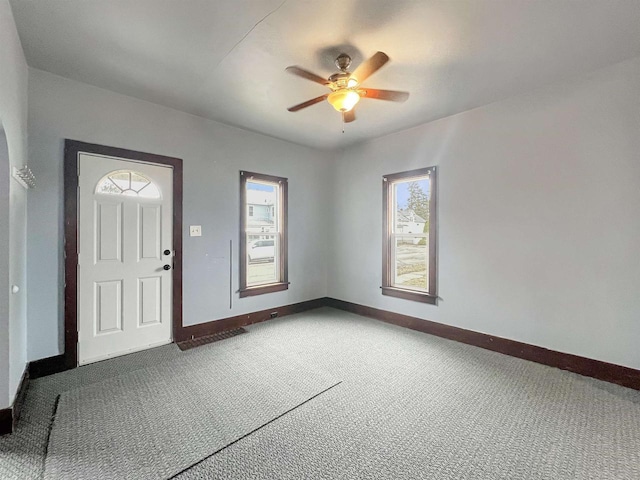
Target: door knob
x,y
167,267
167,252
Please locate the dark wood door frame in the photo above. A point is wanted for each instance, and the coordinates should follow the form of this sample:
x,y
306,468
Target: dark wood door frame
x,y
72,148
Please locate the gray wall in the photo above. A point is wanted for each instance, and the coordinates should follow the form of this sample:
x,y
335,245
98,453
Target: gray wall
x,y
213,155
13,119
538,212
539,216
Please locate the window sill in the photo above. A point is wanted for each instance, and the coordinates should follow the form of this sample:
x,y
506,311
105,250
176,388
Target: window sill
x,y
410,295
261,289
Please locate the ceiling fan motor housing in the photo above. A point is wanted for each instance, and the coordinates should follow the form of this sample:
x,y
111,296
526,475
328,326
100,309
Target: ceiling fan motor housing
x,y
342,80
343,61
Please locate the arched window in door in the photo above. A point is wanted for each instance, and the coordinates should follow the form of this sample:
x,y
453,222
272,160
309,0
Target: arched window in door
x,y
127,182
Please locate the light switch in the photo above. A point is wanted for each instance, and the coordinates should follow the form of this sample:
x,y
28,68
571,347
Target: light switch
x,y
195,231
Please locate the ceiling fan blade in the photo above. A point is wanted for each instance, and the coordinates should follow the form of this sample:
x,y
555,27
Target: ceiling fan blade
x,y
308,103
391,95
301,72
350,116
370,66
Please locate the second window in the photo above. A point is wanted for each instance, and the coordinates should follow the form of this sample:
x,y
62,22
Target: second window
x,y
409,238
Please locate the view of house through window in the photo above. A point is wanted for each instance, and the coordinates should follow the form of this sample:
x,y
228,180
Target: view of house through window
x,y
264,232
411,233
409,250
262,229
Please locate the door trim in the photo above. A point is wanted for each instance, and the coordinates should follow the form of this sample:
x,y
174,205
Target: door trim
x,y
72,148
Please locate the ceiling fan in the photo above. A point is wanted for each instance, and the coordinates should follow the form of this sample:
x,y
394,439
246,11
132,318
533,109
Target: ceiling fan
x,y
346,89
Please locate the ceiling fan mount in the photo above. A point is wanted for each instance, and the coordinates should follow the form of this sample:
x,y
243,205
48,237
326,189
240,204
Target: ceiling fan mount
x,y
345,87
343,62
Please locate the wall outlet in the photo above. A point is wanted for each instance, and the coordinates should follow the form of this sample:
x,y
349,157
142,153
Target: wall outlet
x,y
195,231
274,314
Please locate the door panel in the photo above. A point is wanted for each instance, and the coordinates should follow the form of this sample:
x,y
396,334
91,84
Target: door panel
x,y
108,231
150,223
124,293
108,298
150,301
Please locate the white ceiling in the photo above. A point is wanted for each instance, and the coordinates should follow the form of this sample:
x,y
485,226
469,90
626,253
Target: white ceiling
x,y
226,60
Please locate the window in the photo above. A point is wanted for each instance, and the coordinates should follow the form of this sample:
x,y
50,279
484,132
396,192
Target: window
x,y
409,235
127,182
263,234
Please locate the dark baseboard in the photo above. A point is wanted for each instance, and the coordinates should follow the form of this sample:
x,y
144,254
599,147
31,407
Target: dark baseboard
x,y
18,403
6,421
47,366
230,323
9,416
608,372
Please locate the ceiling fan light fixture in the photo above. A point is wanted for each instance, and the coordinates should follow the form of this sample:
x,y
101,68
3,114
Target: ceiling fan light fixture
x,y
343,100
344,86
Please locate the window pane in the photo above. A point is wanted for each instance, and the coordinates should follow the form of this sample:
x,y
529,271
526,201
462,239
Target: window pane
x,y
411,206
261,197
262,260
411,262
122,179
262,233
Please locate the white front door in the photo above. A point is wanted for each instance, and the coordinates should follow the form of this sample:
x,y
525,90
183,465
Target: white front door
x,y
125,256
